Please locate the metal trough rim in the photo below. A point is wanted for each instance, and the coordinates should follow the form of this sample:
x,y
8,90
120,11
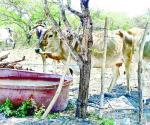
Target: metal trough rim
x,y
36,76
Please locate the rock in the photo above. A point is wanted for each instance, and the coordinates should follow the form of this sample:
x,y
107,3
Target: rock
x,y
119,103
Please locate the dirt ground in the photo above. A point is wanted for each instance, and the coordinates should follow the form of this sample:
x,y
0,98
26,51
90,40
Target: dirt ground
x,y
118,105
33,61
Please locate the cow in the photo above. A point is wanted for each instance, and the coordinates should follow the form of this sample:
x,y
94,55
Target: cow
x,y
39,30
131,43
51,46
6,35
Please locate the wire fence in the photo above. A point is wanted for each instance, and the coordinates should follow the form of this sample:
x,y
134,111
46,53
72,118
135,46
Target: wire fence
x,y
121,115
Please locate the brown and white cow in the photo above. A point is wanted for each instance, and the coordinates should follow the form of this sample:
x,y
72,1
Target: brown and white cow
x,y
51,46
39,30
131,42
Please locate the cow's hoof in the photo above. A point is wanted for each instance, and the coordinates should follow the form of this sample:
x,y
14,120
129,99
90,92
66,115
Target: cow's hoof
x,y
109,95
146,101
128,94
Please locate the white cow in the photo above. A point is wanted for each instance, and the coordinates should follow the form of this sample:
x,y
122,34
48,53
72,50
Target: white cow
x,y
7,37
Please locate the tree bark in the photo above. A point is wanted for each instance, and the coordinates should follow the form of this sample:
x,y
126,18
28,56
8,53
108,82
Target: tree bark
x,y
83,90
85,69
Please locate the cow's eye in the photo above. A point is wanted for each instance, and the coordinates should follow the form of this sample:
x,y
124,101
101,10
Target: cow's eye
x,y
50,35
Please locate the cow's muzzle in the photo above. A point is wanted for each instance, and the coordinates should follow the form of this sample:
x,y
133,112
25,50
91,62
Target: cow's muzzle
x,y
37,50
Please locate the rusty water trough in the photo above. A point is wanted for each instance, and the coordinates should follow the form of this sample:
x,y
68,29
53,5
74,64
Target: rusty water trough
x,y
19,85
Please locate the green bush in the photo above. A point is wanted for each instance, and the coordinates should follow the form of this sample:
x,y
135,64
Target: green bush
x,y
101,121
27,108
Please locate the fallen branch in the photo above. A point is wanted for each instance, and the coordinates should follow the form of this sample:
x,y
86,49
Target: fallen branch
x,y
11,64
4,57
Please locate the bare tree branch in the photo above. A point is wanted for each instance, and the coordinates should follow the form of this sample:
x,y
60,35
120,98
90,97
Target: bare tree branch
x,y
9,4
75,12
14,21
84,6
67,24
63,14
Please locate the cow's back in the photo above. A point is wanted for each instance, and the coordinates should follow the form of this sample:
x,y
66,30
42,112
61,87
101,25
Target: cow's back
x,y
137,34
114,49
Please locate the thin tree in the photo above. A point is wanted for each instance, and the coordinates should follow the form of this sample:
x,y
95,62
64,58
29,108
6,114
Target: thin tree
x,y
103,66
140,74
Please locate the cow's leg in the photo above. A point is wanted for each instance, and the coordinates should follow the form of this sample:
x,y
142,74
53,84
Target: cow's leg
x,y
128,69
54,63
115,75
44,63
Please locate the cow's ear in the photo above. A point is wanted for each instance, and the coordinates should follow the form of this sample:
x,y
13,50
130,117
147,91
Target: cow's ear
x,y
55,33
130,32
120,33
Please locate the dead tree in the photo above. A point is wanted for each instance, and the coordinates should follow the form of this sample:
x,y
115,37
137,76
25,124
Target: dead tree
x,y
83,59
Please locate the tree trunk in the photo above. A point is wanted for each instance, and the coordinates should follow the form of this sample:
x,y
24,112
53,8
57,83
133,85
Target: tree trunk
x,y
85,69
83,90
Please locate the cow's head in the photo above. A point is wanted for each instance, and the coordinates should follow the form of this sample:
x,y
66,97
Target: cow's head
x,y
49,41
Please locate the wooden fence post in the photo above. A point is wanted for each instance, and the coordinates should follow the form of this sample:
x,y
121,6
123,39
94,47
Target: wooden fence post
x,y
103,66
140,76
